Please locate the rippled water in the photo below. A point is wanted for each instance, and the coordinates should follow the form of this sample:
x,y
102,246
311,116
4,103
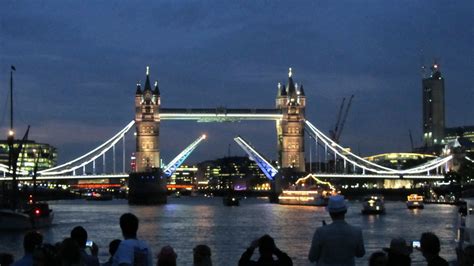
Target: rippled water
x,y
185,222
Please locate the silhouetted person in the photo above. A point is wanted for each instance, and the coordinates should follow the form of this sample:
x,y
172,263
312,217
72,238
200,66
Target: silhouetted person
x,y
31,241
79,234
113,246
131,250
339,242
6,259
167,257
202,256
47,255
399,252
430,247
267,248
70,253
378,258
465,256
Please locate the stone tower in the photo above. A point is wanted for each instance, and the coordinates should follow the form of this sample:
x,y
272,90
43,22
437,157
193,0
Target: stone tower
x,y
291,100
147,121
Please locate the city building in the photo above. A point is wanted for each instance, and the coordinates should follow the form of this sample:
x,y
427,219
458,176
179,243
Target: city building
x,y
184,175
433,110
464,135
42,154
398,160
235,172
435,133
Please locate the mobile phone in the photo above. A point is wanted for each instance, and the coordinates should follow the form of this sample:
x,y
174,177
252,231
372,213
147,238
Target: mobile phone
x,y
415,244
89,243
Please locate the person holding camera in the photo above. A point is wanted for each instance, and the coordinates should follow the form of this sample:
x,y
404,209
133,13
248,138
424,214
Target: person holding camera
x,y
79,234
267,248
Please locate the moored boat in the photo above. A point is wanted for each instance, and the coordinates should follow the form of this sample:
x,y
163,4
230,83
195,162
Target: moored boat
x,y
36,215
415,201
14,220
373,204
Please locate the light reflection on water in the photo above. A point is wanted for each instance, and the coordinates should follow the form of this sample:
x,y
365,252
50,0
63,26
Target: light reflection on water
x,y
186,222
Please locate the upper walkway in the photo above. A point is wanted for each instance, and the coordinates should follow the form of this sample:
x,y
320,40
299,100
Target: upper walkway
x,y
219,114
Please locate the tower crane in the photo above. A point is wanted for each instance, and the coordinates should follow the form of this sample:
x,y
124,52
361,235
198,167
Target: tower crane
x,y
341,120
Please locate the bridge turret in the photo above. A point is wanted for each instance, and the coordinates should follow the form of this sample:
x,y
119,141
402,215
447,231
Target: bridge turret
x,y
138,100
281,96
301,96
156,91
290,129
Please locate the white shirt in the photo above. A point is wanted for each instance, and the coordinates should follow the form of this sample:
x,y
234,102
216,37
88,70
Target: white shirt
x,y
133,252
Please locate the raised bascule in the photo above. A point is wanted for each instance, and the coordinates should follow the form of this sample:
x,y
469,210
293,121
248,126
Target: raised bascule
x,y
147,182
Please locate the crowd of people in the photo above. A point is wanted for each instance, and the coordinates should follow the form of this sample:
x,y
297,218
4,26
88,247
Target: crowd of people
x,y
338,243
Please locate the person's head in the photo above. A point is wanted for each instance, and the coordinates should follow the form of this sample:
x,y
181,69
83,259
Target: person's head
x,y
69,252
79,234
429,244
113,246
129,225
202,256
337,207
46,255
378,258
31,241
167,257
266,245
399,252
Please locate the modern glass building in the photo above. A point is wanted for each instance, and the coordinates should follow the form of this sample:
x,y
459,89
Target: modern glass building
x,y
43,154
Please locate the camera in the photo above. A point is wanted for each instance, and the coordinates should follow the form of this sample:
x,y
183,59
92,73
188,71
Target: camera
x,y
415,244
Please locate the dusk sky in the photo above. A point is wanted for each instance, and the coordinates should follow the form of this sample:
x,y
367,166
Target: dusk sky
x,y
78,62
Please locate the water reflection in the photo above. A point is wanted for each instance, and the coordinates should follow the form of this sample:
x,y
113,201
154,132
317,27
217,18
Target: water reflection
x,y
186,222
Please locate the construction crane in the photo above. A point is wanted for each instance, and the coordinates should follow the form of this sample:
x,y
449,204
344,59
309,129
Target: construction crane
x,y
341,120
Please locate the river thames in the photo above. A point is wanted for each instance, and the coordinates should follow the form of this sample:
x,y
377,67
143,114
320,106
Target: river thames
x,y
187,221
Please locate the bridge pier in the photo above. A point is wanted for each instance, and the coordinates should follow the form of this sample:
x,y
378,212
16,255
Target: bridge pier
x,y
147,188
276,189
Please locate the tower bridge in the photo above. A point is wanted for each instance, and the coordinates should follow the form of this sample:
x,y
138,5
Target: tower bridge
x,y
291,125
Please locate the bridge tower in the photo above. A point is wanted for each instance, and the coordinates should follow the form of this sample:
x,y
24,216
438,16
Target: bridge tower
x,y
146,183
291,100
147,121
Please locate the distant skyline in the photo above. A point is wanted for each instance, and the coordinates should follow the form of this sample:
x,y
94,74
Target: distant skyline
x,y
78,63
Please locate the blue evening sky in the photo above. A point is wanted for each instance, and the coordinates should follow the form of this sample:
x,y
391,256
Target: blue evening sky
x,y
78,62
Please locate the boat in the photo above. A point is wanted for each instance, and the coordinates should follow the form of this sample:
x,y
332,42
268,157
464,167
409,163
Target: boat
x,y
415,201
40,214
373,204
230,201
99,196
303,197
308,190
